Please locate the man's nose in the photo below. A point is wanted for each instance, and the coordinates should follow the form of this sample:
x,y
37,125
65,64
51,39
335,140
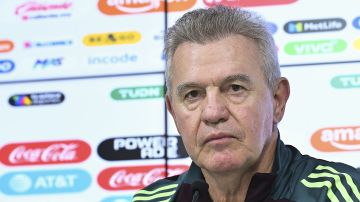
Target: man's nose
x,y
214,110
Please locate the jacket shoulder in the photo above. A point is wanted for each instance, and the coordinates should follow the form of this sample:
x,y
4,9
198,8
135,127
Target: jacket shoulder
x,y
326,180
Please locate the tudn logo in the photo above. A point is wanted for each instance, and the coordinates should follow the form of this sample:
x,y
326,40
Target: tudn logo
x,y
146,147
246,3
139,92
118,7
36,99
346,81
39,153
337,139
136,177
319,25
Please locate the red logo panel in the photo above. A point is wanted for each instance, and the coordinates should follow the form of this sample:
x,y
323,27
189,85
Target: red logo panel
x,y
39,153
135,177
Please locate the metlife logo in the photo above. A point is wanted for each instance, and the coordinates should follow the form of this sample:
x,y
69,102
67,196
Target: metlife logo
x,y
144,147
316,25
45,182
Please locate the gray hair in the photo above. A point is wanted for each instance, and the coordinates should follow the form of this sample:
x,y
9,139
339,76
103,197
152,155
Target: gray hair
x,y
206,25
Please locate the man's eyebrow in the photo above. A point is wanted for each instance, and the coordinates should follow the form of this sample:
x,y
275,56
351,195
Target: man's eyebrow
x,y
184,86
237,77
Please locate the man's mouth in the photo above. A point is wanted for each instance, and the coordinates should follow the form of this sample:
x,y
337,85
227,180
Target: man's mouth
x,y
219,138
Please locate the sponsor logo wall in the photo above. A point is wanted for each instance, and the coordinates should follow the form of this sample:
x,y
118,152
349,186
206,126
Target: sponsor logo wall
x,y
82,92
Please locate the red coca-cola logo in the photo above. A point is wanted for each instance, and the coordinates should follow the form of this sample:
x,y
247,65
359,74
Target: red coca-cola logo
x,y
36,153
136,177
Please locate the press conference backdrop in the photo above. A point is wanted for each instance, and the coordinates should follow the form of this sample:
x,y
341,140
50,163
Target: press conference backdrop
x,y
82,108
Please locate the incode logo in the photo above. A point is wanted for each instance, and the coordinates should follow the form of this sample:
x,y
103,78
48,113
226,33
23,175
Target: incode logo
x,y
318,25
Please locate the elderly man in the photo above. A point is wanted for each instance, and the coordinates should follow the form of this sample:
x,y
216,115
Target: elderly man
x,y
226,95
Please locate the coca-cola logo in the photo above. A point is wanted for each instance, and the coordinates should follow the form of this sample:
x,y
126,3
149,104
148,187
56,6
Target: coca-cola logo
x,y
52,152
136,177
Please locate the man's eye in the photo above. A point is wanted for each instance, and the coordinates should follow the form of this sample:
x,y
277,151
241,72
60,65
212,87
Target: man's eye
x,y
192,94
236,88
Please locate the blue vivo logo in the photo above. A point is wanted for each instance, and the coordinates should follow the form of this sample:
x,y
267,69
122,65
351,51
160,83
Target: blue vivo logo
x,y
44,182
6,66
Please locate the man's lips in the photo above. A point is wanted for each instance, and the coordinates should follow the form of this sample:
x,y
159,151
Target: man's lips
x,y
218,137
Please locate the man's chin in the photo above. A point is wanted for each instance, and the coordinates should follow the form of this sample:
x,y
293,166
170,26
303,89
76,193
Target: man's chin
x,y
222,166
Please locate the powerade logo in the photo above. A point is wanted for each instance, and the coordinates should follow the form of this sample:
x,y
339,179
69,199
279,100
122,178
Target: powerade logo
x,y
113,59
115,38
140,92
246,3
315,47
45,98
356,22
6,66
346,81
318,25
146,147
337,139
118,199
48,62
45,182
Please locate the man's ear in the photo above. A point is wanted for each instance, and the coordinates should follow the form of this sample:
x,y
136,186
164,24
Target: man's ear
x,y
281,95
169,105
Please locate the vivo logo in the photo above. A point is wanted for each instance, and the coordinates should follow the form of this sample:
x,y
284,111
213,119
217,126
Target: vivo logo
x,y
45,182
6,66
315,47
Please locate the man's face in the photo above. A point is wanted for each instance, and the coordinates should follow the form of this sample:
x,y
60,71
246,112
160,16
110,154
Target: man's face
x,y
221,103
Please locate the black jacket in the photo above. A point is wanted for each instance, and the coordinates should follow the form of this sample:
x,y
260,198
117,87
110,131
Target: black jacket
x,y
295,177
